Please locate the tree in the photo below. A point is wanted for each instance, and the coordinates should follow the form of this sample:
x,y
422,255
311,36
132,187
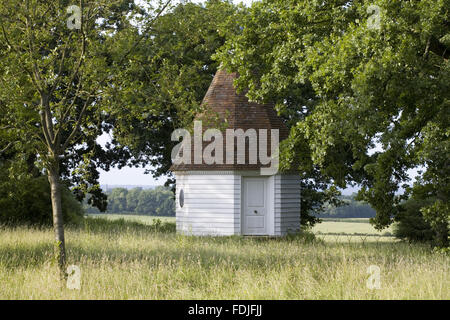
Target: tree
x,y
350,76
147,202
249,52
57,73
410,223
24,192
156,202
118,200
133,199
171,73
350,208
165,202
434,183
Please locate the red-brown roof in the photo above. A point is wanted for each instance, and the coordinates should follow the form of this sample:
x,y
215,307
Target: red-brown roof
x,y
235,112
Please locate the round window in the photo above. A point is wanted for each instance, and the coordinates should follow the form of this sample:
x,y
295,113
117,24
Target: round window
x,y
181,198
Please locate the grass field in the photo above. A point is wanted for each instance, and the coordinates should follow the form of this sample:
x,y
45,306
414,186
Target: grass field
x,y
122,259
131,217
341,230
351,230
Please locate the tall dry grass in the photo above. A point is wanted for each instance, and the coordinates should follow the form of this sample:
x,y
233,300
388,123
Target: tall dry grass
x,y
123,260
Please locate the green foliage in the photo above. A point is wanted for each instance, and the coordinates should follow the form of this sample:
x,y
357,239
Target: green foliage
x,y
410,223
167,80
155,202
346,88
435,181
350,208
25,193
27,201
58,85
438,216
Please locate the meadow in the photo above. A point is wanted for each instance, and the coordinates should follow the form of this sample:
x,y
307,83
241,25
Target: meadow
x,y
351,230
144,219
144,259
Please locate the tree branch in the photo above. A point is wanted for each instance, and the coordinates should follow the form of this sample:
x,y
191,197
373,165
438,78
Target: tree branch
x,y
92,92
439,48
9,145
45,130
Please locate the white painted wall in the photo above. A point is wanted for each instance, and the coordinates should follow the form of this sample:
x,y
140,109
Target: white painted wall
x,y
286,204
212,203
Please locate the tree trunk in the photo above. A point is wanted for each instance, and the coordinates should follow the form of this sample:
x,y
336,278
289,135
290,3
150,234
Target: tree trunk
x,y
58,226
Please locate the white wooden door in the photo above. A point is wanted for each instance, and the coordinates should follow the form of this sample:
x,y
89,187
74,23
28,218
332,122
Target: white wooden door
x,y
254,206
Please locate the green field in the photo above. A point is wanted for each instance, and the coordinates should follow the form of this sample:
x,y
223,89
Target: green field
x,y
355,229
362,227
122,259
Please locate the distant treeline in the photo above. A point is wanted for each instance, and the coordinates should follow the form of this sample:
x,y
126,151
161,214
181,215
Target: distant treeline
x,y
155,202
160,202
352,209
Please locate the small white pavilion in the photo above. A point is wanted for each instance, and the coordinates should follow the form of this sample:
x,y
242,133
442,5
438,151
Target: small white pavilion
x,y
224,198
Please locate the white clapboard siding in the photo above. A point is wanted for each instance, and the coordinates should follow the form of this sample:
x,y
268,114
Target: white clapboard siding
x,y
287,204
212,204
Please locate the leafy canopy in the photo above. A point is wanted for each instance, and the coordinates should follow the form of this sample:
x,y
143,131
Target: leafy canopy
x,y
366,101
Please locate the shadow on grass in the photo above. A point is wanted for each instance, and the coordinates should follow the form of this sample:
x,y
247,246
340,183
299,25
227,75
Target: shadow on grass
x,y
101,225
26,256
180,249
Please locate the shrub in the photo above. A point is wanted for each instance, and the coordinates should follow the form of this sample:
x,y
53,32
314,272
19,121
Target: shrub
x,y
27,201
410,224
438,216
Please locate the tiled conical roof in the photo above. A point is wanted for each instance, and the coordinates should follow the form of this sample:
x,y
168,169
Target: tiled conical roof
x,y
236,112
